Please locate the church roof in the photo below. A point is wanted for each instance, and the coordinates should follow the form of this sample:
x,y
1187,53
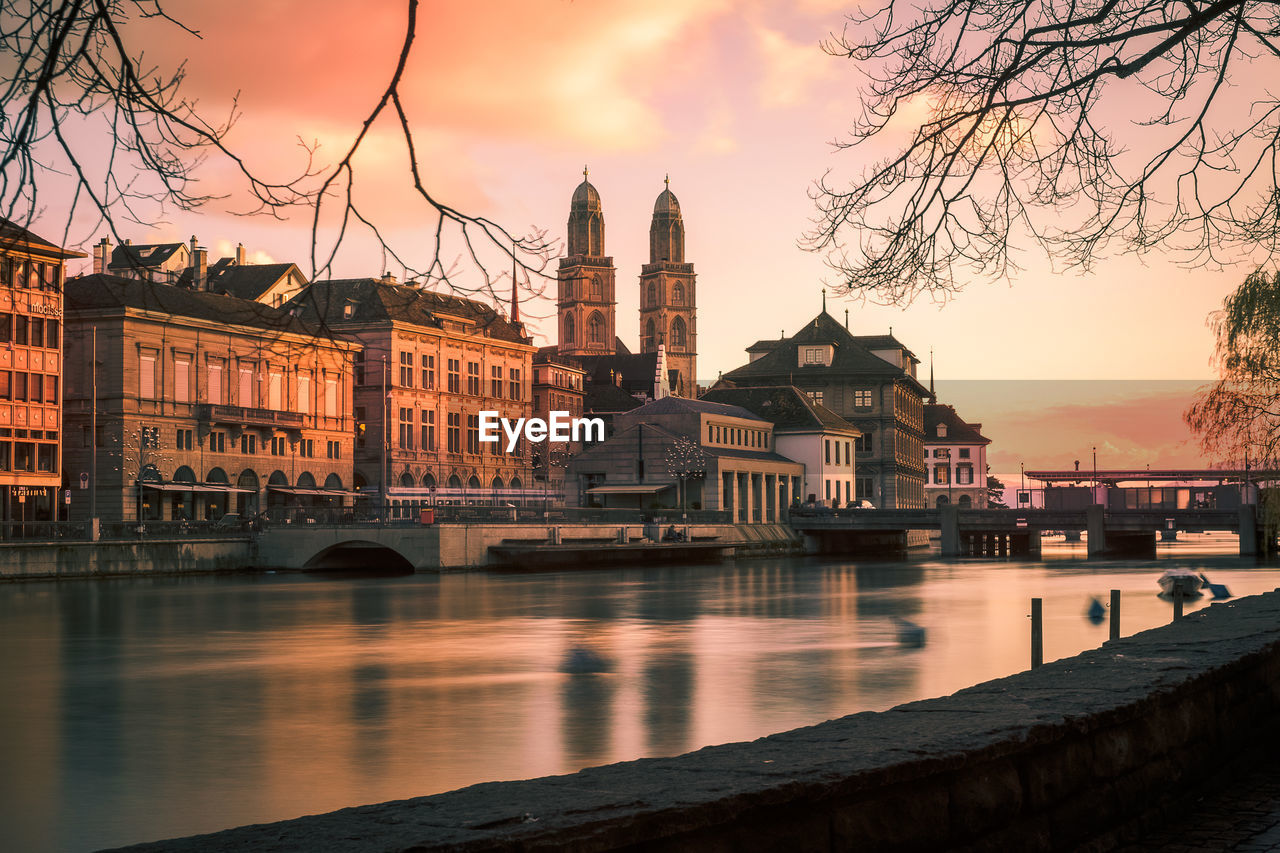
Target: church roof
x,y
781,363
958,430
667,204
601,398
785,406
585,196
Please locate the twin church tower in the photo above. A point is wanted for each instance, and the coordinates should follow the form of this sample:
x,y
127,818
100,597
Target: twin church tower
x,y
668,296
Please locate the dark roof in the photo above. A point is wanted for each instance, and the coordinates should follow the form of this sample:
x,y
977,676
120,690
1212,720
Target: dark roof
x,y
14,236
873,342
625,434
377,301
634,370
764,346
684,406
781,363
247,281
95,292
958,431
142,255
785,406
602,398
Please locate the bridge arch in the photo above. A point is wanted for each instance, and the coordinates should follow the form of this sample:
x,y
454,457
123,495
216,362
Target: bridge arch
x,y
359,555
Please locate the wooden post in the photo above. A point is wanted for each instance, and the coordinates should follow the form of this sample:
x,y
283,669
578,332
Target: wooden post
x,y
1037,633
1177,607
1115,614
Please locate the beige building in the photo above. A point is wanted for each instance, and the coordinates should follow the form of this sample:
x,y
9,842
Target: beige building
x,y
31,429
205,404
430,364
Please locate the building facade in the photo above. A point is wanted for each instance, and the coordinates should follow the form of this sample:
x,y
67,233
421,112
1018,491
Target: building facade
x,y
32,272
668,297
186,404
869,381
956,456
586,279
428,365
557,387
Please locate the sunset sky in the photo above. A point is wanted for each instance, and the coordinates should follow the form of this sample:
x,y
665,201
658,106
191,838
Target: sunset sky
x,y
735,101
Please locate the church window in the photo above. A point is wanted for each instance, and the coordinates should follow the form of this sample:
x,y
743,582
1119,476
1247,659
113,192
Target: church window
x,y
651,298
677,294
568,329
649,334
677,333
595,329
597,289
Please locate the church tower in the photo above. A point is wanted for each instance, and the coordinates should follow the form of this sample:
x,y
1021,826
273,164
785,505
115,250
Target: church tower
x,y
585,294
668,303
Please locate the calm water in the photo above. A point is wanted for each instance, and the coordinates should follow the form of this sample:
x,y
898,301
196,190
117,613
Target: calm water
x,y
140,709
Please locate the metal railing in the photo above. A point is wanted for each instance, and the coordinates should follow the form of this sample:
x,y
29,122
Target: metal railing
x,y
463,514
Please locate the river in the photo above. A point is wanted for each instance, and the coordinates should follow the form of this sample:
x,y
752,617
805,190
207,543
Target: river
x,y
143,708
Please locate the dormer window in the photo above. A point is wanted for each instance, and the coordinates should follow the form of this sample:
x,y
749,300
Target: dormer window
x,y
814,356
348,310
942,430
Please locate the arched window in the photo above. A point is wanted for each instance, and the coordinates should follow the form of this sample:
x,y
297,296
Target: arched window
x,y
216,475
595,328
454,482
473,483
965,502
306,480
184,475
428,481
406,480
649,334
943,500
597,289
334,482
515,482
651,297
277,478
569,336
497,483
677,294
678,333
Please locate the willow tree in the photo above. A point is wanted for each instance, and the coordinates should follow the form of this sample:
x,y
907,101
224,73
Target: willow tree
x,y
1085,126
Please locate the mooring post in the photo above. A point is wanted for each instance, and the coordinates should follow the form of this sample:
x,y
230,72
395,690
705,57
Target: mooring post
x,y
1037,633
1115,614
1177,607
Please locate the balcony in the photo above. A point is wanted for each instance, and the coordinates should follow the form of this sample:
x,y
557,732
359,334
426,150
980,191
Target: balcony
x,y
242,416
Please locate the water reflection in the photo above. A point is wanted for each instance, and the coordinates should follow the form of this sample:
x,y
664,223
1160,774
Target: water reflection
x,y
145,708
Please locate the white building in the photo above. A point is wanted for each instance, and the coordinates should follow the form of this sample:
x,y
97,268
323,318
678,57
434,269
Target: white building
x,y
955,459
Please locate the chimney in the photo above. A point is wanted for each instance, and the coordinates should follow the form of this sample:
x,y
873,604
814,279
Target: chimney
x,y
240,255
388,278
199,266
102,255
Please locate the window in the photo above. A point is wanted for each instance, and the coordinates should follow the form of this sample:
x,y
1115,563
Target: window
x,y
331,398
964,475
568,329
248,444
848,456
217,442
6,388
428,430
964,453
827,456
813,355
942,430
455,382
51,333
146,375
837,453
335,450
677,294
304,393
678,334
215,382
361,426
406,369
184,439
473,433
406,429
862,398
513,384
941,475
46,454
595,329
473,378
149,438
275,391
6,328
21,327
245,390
597,289
428,372
863,487
279,446
357,363
814,397
19,386
307,448
37,388
652,294
495,381
863,443
37,331
455,432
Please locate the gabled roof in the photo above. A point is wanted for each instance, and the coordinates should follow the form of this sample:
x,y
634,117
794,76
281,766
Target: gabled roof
x,y
97,292
14,237
600,398
765,345
875,342
958,431
142,255
782,362
788,408
249,281
375,301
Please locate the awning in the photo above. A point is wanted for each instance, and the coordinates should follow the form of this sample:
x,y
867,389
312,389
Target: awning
x,y
308,490
216,488
633,489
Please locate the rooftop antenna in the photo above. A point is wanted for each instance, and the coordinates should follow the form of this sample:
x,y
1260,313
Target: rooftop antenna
x,y
846,319
824,300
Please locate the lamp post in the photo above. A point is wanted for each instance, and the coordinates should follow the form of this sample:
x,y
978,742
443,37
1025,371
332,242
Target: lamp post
x,y
1022,492
1095,474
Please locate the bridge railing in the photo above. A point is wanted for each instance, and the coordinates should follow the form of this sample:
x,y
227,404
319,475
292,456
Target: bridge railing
x,y
461,514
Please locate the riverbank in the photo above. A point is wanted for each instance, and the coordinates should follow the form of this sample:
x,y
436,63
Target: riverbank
x,y
1084,749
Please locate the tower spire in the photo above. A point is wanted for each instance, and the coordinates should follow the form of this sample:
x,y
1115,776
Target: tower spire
x,y
515,303
933,397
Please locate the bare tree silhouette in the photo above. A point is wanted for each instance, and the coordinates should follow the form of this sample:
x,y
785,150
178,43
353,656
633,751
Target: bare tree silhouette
x,y
82,98
1018,94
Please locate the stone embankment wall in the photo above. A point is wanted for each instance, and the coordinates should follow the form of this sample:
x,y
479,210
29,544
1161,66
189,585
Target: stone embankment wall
x,y
47,560
1079,751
